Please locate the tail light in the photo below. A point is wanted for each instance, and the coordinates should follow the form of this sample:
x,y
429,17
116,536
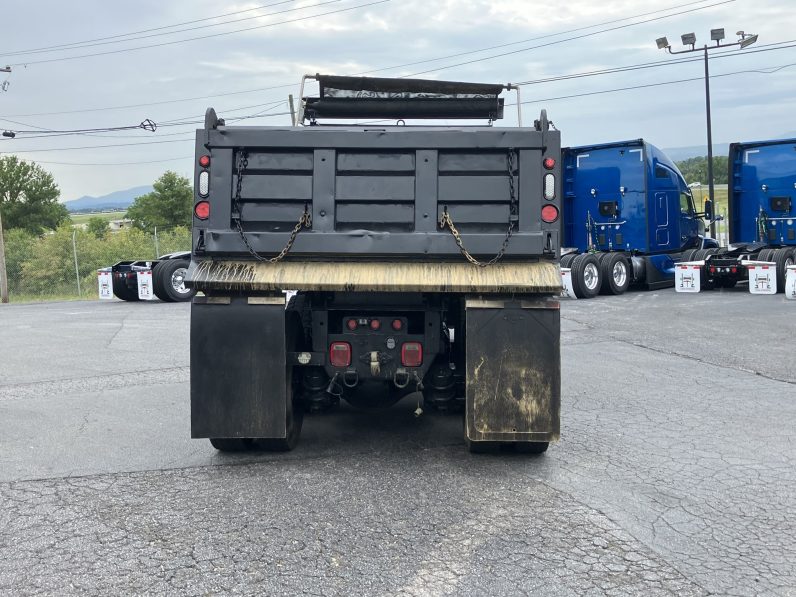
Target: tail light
x,y
204,183
734,270
204,161
202,210
549,187
712,269
397,324
375,324
412,354
549,163
340,354
352,324
549,214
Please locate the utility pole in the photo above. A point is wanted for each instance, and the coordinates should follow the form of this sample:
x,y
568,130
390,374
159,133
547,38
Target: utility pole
x,y
3,276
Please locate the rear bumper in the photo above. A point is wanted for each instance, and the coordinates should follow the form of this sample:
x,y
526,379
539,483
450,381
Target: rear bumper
x,y
540,277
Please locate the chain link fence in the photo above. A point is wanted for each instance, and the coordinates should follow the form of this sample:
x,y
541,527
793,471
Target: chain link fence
x,y
63,264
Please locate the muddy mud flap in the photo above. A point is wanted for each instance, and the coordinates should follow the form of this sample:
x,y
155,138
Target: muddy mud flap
x,y
513,369
238,367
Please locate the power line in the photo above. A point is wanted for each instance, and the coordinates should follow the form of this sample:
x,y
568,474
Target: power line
x,y
179,41
151,35
182,157
286,85
559,41
646,65
78,43
767,70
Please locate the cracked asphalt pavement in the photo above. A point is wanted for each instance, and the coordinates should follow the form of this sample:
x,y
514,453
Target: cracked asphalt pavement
x,y
674,475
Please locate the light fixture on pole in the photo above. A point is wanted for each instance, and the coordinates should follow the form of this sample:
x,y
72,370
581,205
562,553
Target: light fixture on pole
x,y
689,39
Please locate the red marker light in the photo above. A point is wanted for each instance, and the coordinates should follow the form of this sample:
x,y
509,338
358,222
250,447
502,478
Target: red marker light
x,y
375,324
549,163
397,324
411,354
202,210
204,161
340,354
549,214
352,324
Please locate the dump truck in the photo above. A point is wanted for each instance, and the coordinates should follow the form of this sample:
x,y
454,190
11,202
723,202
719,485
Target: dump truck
x,y
628,216
762,215
420,262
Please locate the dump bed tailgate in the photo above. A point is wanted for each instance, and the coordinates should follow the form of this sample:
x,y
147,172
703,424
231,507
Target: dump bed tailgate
x,y
376,193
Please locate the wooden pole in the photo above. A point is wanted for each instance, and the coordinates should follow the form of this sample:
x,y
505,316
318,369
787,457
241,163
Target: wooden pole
x,y
3,275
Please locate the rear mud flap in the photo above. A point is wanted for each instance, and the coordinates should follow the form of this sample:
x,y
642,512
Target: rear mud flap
x,y
238,367
513,370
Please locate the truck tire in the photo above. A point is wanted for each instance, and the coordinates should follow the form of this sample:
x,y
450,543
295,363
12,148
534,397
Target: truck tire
x,y
171,280
122,292
230,444
783,258
586,276
688,255
705,283
765,255
615,271
157,285
566,260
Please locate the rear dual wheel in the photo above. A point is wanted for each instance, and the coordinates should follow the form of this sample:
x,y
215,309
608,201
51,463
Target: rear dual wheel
x,y
615,270
784,258
168,280
585,276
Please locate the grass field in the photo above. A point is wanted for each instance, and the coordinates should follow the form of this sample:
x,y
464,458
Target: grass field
x,y
80,219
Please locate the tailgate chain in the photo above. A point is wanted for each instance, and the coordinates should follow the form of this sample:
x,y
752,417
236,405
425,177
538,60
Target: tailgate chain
x,y
304,221
446,220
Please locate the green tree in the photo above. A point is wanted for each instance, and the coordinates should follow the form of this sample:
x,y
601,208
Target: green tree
x,y
168,205
97,226
696,169
29,196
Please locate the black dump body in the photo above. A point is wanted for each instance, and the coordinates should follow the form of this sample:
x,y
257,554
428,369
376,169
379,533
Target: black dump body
x,y
375,192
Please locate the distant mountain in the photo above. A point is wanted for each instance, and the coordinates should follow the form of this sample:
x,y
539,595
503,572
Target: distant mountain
x,y
111,201
678,154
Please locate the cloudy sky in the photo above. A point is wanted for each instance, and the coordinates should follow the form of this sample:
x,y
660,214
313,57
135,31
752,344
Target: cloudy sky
x,y
92,64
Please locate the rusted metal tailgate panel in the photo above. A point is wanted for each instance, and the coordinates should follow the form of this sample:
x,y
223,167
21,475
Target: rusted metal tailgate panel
x,y
214,275
513,369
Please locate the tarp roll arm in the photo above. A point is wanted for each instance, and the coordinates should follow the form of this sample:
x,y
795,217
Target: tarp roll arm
x,y
368,97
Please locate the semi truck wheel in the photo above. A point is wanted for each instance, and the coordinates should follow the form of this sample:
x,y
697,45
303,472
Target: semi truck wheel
x,y
615,272
172,280
765,255
688,255
783,258
157,285
585,276
122,292
566,260
700,255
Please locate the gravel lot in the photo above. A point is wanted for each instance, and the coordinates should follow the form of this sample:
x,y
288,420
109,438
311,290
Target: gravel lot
x,y
675,474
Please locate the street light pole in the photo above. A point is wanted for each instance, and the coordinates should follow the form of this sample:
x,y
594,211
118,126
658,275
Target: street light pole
x,y
710,143
689,39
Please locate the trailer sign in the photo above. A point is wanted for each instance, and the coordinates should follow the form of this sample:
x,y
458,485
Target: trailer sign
x,y
687,276
566,283
145,285
105,281
762,277
790,282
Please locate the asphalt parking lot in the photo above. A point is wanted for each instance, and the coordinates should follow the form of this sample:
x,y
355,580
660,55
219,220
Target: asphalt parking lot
x,y
675,473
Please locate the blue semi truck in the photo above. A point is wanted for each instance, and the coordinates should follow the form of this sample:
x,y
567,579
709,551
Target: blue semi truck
x,y
762,215
628,216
